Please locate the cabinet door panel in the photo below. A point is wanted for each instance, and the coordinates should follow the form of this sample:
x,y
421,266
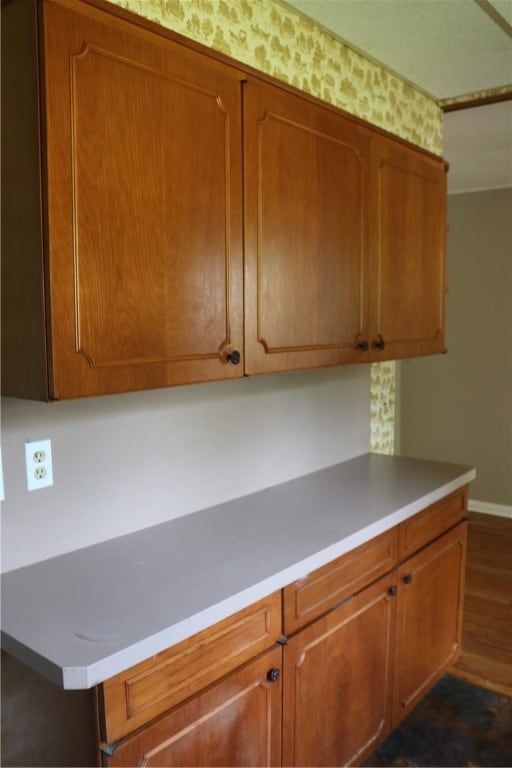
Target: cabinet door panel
x,y
408,283
305,217
144,189
236,722
429,623
337,682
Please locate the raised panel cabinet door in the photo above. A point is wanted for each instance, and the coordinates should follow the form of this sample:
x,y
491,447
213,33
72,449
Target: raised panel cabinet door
x,y
337,682
408,235
305,177
144,240
429,618
237,722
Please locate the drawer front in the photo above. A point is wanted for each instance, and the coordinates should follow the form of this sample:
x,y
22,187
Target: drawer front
x,y
431,522
133,698
326,587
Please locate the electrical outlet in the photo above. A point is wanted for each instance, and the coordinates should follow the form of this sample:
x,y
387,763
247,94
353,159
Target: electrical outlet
x,y
38,463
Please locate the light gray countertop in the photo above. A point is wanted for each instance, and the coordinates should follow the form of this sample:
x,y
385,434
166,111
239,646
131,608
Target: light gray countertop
x,y
82,617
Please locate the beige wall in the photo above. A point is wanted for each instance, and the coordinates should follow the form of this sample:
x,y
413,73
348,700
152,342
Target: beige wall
x,y
458,407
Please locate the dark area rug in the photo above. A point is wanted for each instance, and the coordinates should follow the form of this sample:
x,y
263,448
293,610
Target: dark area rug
x,y
457,724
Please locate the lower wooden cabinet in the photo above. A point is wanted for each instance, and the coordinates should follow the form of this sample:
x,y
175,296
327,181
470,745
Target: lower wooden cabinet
x,y
366,636
140,694
337,682
351,675
429,618
235,722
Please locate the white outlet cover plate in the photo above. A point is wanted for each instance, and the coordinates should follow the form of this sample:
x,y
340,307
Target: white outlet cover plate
x,y
35,482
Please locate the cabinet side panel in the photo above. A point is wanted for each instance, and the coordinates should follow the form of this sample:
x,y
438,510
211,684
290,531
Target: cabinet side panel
x,y
43,724
23,316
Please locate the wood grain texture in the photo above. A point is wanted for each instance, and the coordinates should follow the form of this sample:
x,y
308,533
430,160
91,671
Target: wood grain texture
x,y
136,183
337,682
129,159
486,657
234,723
431,522
306,187
408,246
429,625
144,180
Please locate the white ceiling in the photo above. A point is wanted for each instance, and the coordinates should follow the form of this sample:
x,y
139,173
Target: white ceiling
x,y
448,48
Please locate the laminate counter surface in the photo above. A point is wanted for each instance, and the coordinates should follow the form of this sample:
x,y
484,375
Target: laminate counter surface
x,y
82,617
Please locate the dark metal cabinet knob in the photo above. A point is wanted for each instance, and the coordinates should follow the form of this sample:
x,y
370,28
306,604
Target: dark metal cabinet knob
x,y
407,578
273,675
363,345
234,357
392,590
380,343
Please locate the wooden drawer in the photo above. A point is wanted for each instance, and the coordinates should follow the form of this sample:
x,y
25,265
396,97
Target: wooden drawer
x,y
326,587
148,689
431,522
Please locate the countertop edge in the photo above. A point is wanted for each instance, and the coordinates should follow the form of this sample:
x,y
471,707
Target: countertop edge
x,y
72,678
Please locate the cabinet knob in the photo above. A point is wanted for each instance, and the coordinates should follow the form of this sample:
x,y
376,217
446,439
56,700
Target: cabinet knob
x,y
363,345
233,357
392,590
407,578
273,674
380,343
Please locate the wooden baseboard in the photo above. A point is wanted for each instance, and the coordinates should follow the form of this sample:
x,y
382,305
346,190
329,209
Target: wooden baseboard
x,y
486,508
483,672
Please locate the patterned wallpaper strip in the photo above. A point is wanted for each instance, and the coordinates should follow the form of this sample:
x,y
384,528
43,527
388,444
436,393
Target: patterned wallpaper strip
x,y
277,40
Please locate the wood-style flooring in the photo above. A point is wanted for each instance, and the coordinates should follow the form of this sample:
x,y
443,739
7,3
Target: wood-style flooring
x,y
486,658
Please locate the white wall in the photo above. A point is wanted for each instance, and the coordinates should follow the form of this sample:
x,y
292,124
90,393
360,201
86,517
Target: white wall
x,y
123,463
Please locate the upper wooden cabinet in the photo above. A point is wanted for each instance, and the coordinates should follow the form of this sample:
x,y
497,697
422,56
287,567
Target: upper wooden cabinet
x,y
344,238
306,188
142,209
408,251
160,203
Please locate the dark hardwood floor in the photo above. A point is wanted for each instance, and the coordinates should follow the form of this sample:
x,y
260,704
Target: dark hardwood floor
x,y
486,658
